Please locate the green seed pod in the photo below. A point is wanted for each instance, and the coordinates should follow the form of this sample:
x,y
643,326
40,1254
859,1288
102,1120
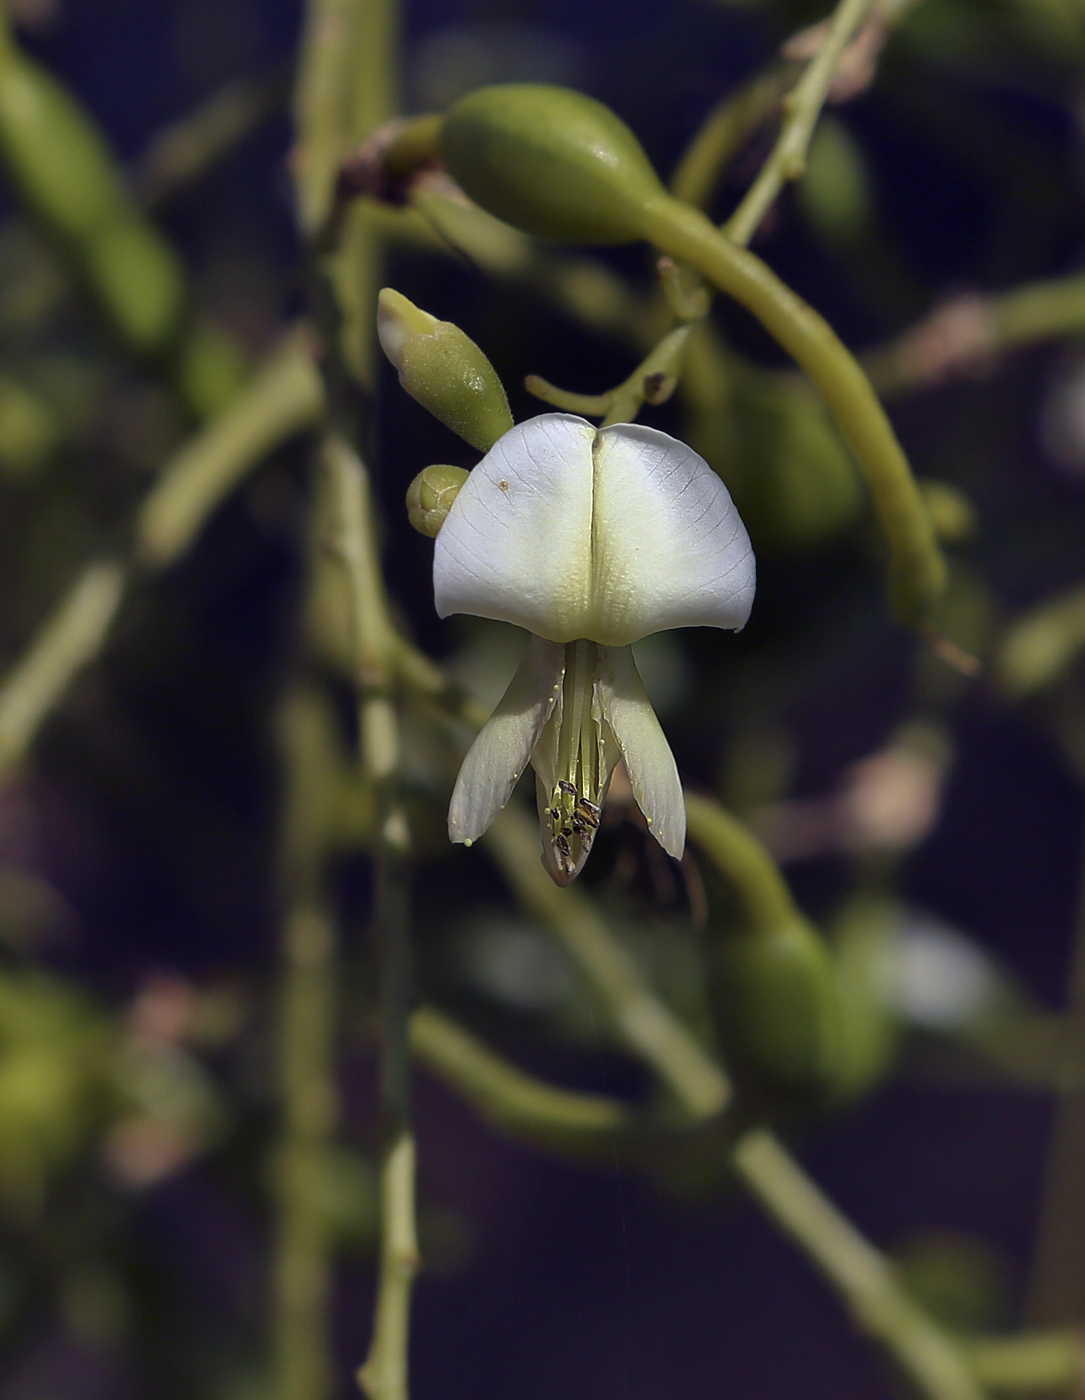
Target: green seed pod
x,y
1040,647
950,510
139,281
870,1030
834,193
552,162
29,429
209,368
430,496
777,1006
793,478
444,370
54,154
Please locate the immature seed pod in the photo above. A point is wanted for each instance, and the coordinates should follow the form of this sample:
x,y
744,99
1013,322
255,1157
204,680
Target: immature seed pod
x,y
65,174
552,162
139,280
53,152
792,475
430,496
777,1005
444,370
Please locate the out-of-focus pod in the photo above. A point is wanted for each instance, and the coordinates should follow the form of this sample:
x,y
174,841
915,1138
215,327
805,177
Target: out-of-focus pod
x,y
792,476
776,1007
64,173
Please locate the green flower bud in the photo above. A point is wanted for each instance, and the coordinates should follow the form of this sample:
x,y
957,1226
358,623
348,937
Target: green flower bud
x,y
444,370
778,1008
430,496
551,162
950,511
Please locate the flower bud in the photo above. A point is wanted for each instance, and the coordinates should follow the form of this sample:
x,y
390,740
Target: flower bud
x,y
430,496
444,370
552,162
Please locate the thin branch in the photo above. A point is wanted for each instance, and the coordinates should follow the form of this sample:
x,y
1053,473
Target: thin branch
x,y
67,642
725,131
1042,1360
967,335
301,1275
643,1021
283,397
802,107
856,1269
384,1374
859,1273
507,1097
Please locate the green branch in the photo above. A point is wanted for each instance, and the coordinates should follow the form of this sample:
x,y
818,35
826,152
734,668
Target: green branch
x,y
507,1097
803,106
283,397
858,1272
68,641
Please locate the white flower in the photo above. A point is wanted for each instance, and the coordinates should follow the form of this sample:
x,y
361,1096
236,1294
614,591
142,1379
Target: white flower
x,y
590,539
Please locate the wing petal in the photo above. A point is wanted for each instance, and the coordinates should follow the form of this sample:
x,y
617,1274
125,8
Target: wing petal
x,y
653,774
505,743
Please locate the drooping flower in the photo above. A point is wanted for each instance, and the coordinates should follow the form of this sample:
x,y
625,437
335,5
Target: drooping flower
x,y
590,539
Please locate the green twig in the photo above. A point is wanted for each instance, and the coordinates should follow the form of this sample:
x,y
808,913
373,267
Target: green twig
x,y
725,131
1038,648
187,149
282,398
322,108
70,639
859,1273
917,570
280,401
384,1375
653,381
966,336
1042,1360
507,1097
744,860
644,1023
856,1269
802,107
302,1365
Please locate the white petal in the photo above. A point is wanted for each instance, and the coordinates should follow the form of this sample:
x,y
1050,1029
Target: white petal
x,y
653,774
516,545
670,547
504,745
607,535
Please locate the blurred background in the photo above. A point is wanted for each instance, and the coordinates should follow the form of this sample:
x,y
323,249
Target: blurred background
x,y
928,820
